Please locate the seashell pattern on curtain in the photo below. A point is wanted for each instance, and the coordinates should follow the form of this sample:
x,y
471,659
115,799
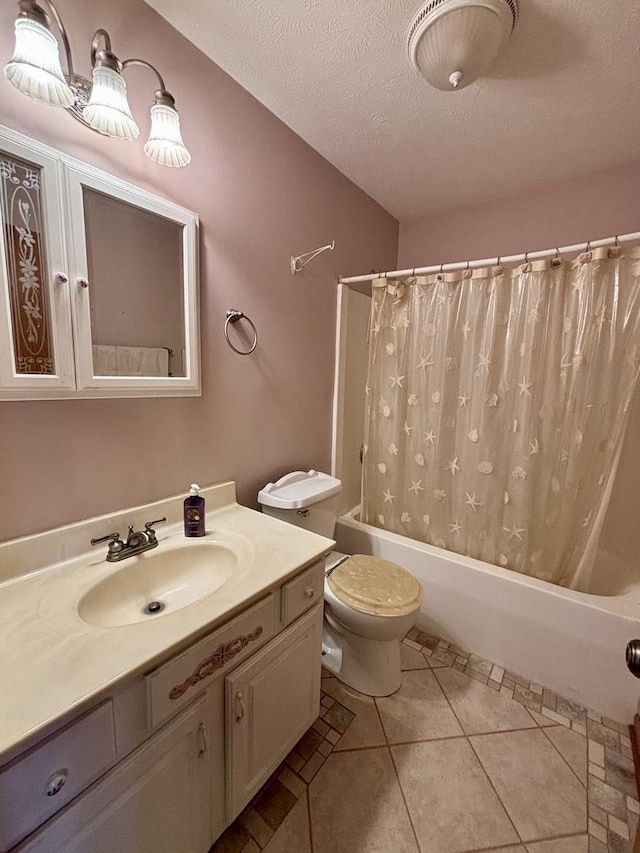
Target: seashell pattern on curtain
x,y
497,402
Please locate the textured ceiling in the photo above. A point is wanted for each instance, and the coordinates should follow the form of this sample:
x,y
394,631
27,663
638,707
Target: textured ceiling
x,y
562,99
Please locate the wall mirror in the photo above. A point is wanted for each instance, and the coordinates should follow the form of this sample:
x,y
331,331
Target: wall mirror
x,y
137,319
99,282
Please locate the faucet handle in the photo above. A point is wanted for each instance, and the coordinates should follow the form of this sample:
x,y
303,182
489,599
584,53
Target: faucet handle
x,y
149,525
115,543
110,537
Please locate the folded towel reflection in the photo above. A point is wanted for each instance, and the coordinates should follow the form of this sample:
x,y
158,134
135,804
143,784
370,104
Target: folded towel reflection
x,y
130,361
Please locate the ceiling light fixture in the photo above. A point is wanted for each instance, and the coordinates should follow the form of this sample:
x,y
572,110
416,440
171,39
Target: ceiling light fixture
x,y
35,70
453,42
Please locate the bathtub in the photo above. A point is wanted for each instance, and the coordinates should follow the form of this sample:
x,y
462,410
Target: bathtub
x,y
571,642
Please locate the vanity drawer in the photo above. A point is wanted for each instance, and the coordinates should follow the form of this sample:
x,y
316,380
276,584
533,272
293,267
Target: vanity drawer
x,y
174,684
302,592
41,781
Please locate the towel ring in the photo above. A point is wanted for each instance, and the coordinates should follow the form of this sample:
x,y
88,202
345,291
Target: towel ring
x,y
233,315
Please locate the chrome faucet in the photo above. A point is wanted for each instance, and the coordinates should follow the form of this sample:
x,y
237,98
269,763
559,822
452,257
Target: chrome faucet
x,y
137,542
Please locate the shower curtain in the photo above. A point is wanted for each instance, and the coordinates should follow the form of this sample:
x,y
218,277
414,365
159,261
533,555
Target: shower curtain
x,y
497,402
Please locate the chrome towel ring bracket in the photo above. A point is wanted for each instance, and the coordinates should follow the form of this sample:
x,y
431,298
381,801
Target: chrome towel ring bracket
x,y
233,316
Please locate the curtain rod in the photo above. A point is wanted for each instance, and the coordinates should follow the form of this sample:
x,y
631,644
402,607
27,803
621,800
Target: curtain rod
x,y
485,262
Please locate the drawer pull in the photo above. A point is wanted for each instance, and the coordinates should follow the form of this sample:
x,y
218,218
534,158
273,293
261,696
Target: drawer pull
x,y
204,738
224,653
239,707
310,592
56,782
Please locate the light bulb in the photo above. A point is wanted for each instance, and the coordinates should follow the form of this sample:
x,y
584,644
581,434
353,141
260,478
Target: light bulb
x,y
165,145
35,68
108,110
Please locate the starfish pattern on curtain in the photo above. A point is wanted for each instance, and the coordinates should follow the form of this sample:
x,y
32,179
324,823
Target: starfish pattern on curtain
x,y
497,402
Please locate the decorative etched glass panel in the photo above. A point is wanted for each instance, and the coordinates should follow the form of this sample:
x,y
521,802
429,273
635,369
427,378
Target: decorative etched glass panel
x,y
22,220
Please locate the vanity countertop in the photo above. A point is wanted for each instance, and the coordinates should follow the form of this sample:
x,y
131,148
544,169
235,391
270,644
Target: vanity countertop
x,y
53,662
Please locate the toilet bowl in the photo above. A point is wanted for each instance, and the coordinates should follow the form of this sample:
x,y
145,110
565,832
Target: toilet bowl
x,y
370,603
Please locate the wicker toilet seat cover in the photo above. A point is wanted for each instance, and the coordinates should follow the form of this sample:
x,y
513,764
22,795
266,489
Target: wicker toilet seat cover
x,y
376,586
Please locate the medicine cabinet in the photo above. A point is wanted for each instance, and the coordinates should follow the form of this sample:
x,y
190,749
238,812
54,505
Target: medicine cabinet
x,y
99,282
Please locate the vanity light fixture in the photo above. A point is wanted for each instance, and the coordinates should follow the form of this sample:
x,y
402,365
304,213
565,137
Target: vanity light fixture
x,y
35,70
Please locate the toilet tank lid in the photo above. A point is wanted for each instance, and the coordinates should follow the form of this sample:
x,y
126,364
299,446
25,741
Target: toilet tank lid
x,y
299,489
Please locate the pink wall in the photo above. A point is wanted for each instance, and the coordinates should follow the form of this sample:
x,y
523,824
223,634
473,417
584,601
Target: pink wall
x,y
586,208
262,195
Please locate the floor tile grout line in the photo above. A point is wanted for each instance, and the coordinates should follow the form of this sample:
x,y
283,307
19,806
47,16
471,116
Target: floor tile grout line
x,y
526,844
380,720
364,748
404,800
509,731
478,759
306,794
395,770
539,725
493,788
567,763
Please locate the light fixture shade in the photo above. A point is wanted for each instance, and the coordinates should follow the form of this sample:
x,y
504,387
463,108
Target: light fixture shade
x,y
35,68
453,42
165,145
108,110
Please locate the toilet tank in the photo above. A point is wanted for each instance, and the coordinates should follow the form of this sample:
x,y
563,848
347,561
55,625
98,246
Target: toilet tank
x,y
307,499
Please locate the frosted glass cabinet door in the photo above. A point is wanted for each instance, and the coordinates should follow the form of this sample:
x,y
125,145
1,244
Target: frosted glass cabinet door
x,y
270,702
155,801
36,351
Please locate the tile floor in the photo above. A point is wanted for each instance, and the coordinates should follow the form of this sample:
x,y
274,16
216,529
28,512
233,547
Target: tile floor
x,y
464,757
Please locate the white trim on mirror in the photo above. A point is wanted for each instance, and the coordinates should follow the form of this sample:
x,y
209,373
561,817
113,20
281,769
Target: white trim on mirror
x,y
65,176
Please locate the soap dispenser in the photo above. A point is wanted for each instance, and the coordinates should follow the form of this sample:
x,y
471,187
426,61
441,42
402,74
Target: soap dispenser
x,y
194,512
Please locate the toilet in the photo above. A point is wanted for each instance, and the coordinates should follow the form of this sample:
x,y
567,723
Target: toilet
x,y
369,603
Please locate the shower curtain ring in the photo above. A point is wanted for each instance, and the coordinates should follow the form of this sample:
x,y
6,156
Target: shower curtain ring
x,y
588,247
526,257
467,266
615,241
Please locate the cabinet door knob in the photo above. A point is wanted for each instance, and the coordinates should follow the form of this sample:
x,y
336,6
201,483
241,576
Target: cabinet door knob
x,y
310,592
83,282
239,707
61,278
56,782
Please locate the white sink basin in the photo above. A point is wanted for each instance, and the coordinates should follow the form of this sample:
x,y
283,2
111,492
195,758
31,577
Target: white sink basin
x,y
158,582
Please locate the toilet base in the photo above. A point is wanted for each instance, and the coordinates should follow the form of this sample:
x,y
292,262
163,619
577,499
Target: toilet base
x,y
369,666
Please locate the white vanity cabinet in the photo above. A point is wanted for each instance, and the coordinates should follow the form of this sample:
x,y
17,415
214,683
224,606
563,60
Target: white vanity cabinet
x,y
271,701
183,747
155,800
98,282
